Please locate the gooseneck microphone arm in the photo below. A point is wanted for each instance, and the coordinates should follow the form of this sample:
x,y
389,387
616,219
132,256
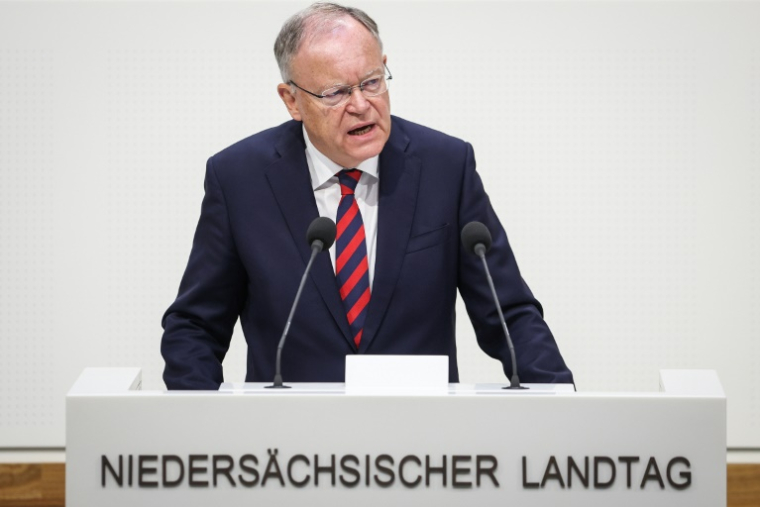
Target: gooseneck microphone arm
x,y
476,239
316,247
514,382
321,235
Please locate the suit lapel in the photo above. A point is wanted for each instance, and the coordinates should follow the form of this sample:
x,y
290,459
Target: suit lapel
x,y
289,179
399,182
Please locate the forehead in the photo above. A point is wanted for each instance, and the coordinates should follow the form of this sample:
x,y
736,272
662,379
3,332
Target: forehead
x,y
339,51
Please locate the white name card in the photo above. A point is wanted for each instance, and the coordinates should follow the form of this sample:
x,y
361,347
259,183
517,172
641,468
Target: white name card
x,y
368,374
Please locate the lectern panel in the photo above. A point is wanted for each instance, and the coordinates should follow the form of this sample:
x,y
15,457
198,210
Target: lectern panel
x,y
317,445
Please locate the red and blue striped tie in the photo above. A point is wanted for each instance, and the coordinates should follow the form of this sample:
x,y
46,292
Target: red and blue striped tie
x,y
351,266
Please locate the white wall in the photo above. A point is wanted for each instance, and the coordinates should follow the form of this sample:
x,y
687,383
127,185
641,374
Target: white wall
x,y
619,142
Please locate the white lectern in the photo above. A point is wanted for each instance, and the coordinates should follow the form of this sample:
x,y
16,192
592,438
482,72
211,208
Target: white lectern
x,y
321,445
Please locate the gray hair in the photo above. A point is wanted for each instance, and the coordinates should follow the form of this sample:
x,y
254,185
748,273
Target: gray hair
x,y
313,19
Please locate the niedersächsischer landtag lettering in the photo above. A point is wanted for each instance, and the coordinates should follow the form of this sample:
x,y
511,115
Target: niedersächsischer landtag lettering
x,y
384,470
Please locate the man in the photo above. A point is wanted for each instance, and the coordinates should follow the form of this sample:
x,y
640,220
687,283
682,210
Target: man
x,y
400,194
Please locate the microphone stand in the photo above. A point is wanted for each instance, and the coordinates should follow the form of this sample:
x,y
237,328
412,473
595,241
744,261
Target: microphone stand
x,y
480,251
316,247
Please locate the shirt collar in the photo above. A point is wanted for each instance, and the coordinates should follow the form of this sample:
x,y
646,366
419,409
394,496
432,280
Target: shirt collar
x,y
321,168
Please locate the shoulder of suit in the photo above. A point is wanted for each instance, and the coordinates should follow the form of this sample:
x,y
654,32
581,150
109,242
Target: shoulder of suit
x,y
260,147
426,138
421,134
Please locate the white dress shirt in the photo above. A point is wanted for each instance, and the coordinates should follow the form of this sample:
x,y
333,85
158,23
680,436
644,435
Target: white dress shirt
x,y
324,181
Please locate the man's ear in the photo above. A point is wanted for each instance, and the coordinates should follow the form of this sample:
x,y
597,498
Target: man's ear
x,y
289,99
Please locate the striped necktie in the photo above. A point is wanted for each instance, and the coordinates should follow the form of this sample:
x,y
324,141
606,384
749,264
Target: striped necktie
x,y
351,266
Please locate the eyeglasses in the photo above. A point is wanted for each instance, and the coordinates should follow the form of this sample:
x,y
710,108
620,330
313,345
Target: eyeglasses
x,y
338,95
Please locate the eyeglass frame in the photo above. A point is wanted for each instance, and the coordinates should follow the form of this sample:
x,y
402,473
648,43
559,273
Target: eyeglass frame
x,y
387,76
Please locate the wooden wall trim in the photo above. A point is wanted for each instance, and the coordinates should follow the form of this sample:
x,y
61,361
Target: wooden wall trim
x,y
743,485
44,485
33,485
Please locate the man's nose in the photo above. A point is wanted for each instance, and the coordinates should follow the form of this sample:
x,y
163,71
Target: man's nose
x,y
357,102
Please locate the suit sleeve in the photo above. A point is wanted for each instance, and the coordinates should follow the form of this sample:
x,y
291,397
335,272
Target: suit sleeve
x,y
538,357
198,325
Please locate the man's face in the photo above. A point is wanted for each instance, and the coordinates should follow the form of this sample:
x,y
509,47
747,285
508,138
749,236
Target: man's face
x,y
346,54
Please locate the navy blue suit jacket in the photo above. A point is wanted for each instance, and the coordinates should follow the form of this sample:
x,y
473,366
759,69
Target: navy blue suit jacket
x,y
250,250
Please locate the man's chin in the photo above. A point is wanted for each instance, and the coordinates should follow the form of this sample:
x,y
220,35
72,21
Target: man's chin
x,y
365,151
357,157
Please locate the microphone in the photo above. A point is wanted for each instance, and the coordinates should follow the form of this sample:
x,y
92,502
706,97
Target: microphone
x,y
320,236
476,240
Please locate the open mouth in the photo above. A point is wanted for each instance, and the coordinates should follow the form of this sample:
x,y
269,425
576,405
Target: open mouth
x,y
361,130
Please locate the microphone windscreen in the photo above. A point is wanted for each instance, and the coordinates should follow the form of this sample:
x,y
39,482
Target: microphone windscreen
x,y
473,234
323,229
